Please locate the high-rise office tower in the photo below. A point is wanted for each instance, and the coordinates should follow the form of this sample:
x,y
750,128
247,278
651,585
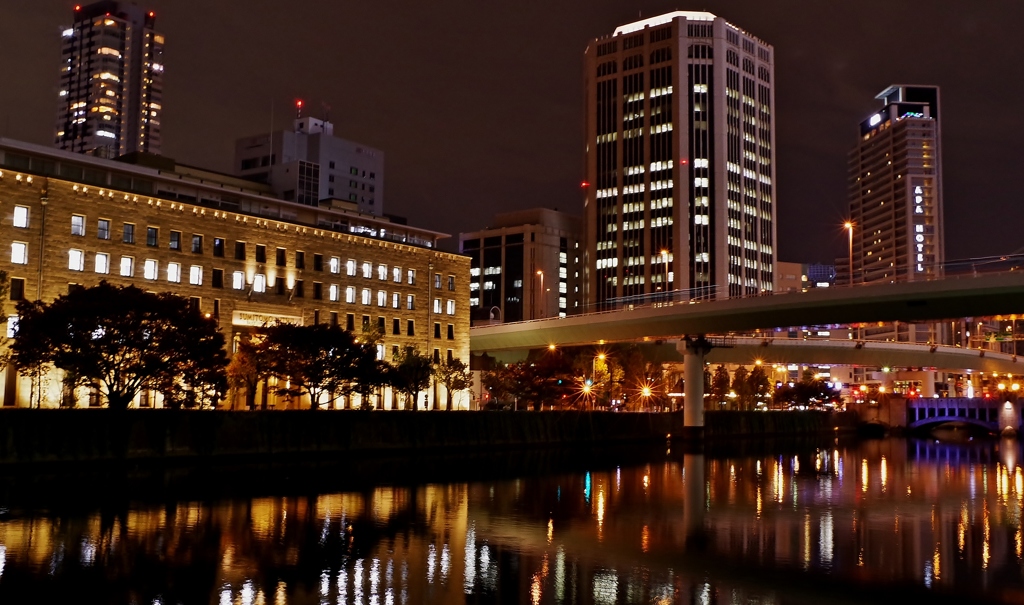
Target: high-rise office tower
x,y
111,81
680,170
309,165
895,191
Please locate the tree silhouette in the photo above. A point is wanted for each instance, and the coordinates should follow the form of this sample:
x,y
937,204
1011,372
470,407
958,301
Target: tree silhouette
x,y
455,375
318,360
122,338
410,374
720,385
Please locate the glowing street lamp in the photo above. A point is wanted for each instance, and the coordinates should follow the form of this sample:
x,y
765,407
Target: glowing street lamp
x,y
849,227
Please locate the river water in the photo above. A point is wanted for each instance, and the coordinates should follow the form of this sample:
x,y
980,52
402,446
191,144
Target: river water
x,y
903,521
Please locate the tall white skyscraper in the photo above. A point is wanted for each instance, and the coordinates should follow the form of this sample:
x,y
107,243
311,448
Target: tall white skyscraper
x,y
680,169
111,81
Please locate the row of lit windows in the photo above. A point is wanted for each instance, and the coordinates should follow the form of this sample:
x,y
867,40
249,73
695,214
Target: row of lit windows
x,y
78,228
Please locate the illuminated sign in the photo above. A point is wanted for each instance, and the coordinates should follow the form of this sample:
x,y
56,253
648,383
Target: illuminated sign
x,y
258,320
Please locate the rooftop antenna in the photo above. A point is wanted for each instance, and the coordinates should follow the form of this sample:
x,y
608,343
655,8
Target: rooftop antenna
x,y
298,109
327,111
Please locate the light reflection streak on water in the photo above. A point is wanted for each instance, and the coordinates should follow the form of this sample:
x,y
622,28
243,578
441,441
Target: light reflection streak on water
x,y
883,473
864,475
342,584
357,581
247,594
3,559
374,581
431,555
446,558
825,538
470,566
600,515
560,574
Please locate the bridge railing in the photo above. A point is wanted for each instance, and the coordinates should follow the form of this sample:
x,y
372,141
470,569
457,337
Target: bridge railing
x,y
976,408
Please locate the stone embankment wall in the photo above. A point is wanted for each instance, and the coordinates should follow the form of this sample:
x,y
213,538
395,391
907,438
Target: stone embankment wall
x,y
58,436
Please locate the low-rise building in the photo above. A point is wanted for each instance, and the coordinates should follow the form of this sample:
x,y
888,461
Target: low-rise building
x,y
526,265
239,254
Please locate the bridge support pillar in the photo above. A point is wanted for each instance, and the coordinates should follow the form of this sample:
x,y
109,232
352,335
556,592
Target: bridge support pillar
x,y
694,351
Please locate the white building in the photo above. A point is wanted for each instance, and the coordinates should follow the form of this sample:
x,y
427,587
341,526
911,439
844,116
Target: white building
x,y
111,81
680,171
308,164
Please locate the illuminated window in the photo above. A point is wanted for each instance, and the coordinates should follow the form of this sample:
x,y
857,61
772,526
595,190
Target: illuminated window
x,y
350,294
395,300
103,228
127,266
150,269
77,224
350,267
334,293
102,263
367,295
21,217
410,302
238,280
382,298
76,260
368,270
396,274
259,283
382,272
174,272
19,253
412,277
12,326
437,305
450,307
195,275
335,265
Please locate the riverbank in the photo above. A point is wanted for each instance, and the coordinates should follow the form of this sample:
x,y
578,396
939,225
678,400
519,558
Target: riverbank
x,y
87,436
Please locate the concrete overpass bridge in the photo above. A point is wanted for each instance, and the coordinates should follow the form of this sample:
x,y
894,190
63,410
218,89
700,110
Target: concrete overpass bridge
x,y
690,321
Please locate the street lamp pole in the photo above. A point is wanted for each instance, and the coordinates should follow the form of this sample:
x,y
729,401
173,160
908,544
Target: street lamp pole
x,y
540,272
849,228
664,268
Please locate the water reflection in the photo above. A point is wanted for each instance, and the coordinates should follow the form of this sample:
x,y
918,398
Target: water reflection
x,y
916,518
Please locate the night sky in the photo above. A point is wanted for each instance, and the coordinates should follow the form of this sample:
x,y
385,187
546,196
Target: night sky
x,y
478,104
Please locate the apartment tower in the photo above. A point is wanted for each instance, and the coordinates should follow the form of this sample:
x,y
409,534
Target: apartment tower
x,y
111,81
680,170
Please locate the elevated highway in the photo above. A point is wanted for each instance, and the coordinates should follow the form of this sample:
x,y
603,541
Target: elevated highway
x,y
687,322
951,298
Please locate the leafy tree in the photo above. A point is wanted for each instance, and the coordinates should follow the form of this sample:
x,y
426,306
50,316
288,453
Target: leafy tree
x,y
319,360
720,385
249,367
760,385
410,374
122,338
455,375
741,387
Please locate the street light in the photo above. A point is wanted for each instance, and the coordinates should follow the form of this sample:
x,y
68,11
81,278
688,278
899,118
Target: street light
x,y
541,274
849,227
664,265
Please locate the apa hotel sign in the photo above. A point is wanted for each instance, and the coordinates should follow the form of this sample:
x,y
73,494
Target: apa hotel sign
x,y
258,320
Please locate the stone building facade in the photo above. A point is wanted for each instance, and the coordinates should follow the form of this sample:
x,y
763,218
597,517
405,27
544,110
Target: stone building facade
x,y
238,254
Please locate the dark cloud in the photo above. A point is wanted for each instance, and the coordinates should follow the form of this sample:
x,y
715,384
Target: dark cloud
x,y
478,104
